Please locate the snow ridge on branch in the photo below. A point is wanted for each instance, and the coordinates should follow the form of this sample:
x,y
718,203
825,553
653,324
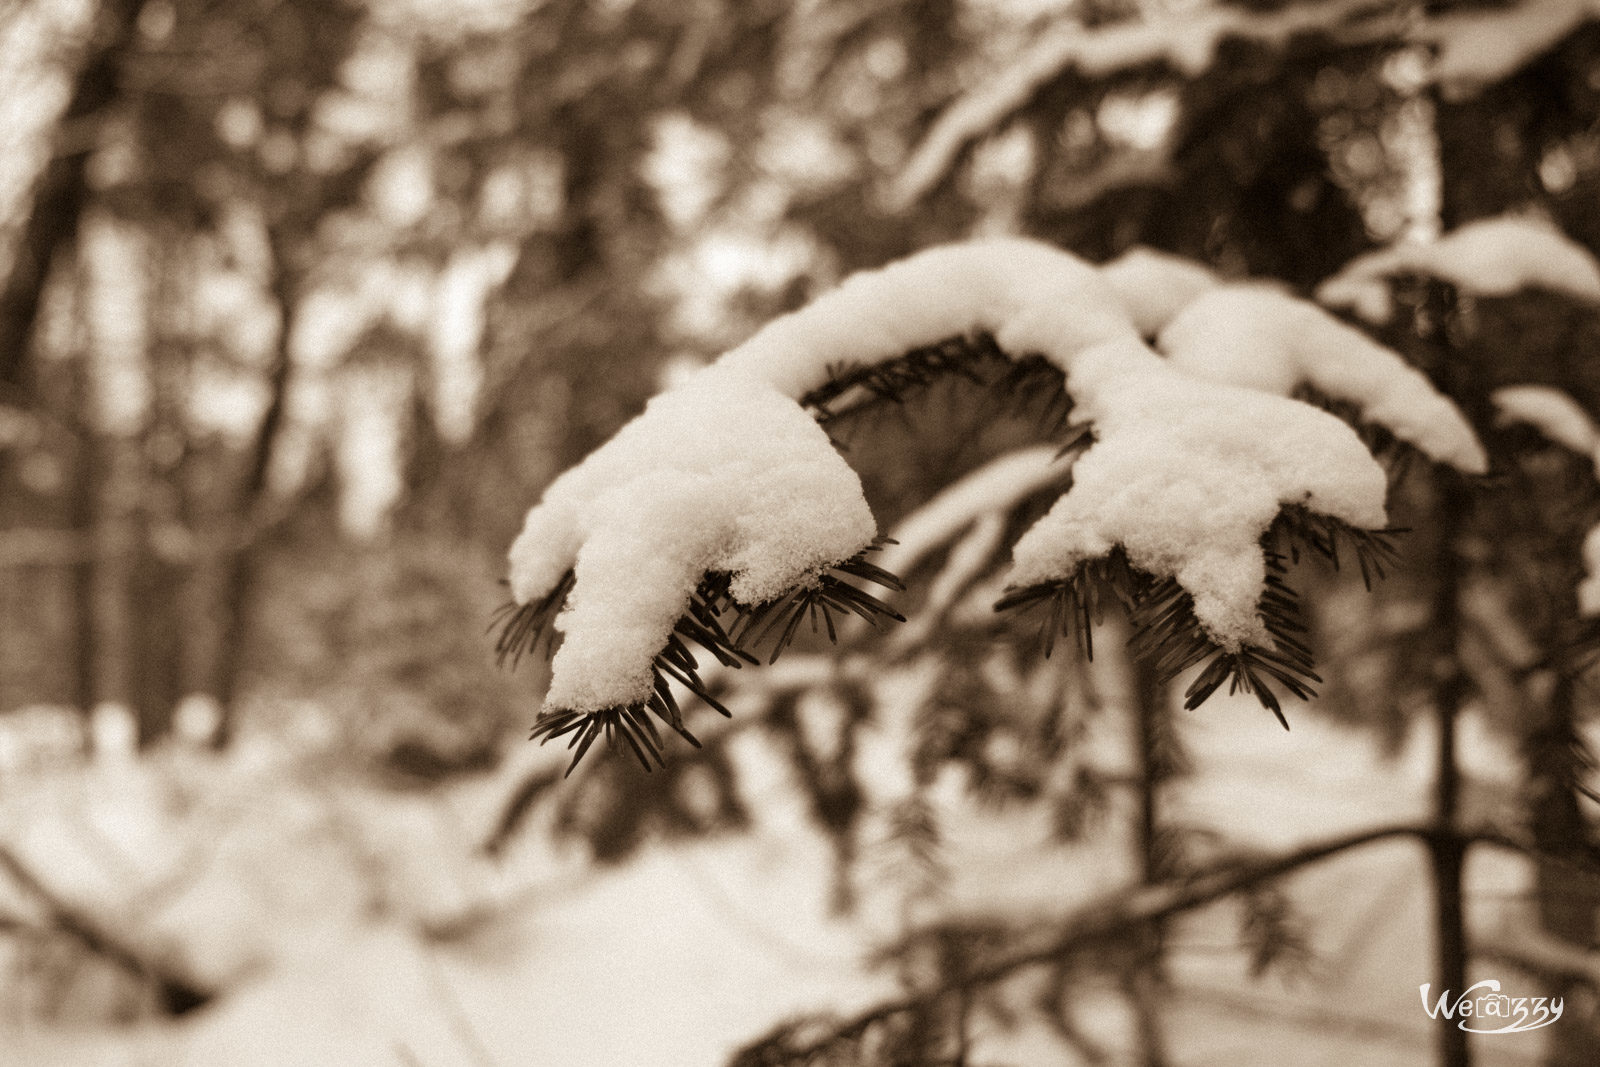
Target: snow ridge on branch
x,y
1496,256
1261,337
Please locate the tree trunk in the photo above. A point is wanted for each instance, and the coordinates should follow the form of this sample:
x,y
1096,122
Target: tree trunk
x,y
1565,905
241,573
61,194
1447,850
156,633
85,518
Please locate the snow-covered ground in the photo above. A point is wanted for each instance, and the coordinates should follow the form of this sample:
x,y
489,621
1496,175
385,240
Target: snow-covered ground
x,y
329,914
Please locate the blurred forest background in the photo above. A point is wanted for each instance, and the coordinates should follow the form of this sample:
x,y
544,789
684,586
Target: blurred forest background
x,y
305,301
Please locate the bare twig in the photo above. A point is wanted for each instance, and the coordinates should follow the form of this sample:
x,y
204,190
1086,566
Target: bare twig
x,y
179,994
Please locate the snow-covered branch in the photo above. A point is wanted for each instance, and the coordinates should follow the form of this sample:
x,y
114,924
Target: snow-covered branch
x,y
1472,48
1186,44
1263,338
726,474
1488,257
1478,46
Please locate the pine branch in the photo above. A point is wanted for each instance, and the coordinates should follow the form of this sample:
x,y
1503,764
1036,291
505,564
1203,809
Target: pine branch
x,y
775,622
1073,605
525,627
1300,529
1111,920
831,595
1169,637
1029,386
631,724
1115,917
1273,932
1167,634
1035,383
974,357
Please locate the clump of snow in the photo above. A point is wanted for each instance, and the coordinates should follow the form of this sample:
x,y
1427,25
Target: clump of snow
x,y
1031,296
727,472
1589,588
721,473
1490,257
1550,411
1155,286
1263,338
1186,475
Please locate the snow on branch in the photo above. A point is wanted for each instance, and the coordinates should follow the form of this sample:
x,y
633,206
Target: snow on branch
x,y
1154,286
1562,421
1475,47
1497,256
726,496
1263,338
1187,44
1558,418
1472,48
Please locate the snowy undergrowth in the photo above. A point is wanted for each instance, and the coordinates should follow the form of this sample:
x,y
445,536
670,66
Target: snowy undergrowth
x,y
1191,459
735,937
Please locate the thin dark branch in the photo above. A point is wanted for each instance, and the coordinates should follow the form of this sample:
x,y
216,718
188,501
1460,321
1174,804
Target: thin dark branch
x,y
1116,915
178,993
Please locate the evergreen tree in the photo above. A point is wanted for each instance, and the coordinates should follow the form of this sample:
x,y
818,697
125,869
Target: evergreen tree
x,y
1278,142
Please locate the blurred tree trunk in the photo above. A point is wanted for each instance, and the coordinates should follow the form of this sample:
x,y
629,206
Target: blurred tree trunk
x,y
62,191
156,632
1447,851
162,629
242,570
84,511
50,230
1565,904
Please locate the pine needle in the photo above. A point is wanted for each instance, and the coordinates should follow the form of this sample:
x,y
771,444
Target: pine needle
x,y
633,727
524,628
829,596
1169,637
1029,386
